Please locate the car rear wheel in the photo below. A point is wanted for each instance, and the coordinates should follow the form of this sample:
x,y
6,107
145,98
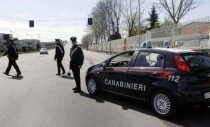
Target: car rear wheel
x,y
92,86
163,104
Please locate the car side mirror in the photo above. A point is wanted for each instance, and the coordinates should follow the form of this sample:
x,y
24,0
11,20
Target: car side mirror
x,y
163,59
103,65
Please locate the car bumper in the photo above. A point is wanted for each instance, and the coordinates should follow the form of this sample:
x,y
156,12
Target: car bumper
x,y
193,97
198,96
43,52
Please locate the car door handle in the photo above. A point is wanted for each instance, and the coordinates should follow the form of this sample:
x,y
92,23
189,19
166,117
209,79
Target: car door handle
x,y
154,74
124,72
109,69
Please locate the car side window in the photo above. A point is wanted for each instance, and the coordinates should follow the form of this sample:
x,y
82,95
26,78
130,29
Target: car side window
x,y
170,63
121,60
148,59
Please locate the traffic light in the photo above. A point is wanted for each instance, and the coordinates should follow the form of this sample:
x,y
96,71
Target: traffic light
x,y
31,23
90,21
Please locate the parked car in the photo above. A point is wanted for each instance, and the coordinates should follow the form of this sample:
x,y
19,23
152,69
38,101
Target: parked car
x,y
43,51
168,79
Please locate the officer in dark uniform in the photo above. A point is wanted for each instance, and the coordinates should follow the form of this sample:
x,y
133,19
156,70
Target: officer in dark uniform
x,y
12,54
76,62
59,54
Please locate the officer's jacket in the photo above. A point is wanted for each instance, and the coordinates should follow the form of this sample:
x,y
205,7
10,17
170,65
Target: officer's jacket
x,y
12,52
59,51
77,57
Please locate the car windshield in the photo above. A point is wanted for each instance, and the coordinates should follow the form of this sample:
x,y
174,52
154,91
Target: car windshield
x,y
197,61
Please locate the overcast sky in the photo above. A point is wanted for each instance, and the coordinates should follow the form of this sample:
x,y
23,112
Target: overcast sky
x,y
59,18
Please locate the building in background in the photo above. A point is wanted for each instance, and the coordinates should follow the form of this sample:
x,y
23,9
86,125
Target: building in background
x,y
24,44
3,41
29,44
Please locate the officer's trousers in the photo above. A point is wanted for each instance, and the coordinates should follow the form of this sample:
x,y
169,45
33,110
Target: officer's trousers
x,y
60,66
76,73
14,64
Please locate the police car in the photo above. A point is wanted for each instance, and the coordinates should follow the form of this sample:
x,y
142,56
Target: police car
x,y
169,79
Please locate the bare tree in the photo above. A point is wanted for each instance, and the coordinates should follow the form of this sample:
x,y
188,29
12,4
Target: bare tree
x,y
87,40
167,22
131,17
177,9
114,17
98,29
107,20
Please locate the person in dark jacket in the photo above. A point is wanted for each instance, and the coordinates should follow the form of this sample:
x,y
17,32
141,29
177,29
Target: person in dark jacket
x,y
59,54
12,54
76,62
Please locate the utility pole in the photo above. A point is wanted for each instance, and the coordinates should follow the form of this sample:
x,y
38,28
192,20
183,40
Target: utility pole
x,y
110,47
139,24
110,41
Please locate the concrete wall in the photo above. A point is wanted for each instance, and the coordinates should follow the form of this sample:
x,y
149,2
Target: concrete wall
x,y
118,45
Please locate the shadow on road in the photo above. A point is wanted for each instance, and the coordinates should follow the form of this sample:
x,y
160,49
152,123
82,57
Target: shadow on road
x,y
67,77
191,117
97,98
16,77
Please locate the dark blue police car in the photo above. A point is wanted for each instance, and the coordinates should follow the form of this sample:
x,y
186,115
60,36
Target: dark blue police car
x,y
169,79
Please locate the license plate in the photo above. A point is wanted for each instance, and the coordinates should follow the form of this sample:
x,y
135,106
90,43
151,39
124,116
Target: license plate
x,y
207,95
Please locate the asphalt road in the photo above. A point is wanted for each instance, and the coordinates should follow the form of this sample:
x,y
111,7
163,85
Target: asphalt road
x,y
42,99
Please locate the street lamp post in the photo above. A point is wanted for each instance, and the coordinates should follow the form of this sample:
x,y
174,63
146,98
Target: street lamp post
x,y
110,41
15,33
139,25
107,21
29,41
110,47
29,36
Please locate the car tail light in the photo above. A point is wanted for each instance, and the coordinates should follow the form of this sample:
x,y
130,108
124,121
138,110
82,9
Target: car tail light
x,y
181,64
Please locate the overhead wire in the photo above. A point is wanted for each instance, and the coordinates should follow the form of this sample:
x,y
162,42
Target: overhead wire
x,y
42,20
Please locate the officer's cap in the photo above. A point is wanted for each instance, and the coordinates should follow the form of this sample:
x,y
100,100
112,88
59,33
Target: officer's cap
x,y
73,38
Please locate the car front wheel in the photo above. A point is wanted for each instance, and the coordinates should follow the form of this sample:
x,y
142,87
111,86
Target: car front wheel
x,y
163,104
92,86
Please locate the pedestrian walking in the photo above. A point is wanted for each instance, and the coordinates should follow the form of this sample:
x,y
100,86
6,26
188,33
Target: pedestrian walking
x,y
12,54
76,62
59,54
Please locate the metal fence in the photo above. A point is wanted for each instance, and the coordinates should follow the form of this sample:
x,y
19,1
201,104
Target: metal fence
x,y
194,33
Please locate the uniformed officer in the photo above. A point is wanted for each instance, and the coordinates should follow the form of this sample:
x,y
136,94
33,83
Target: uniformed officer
x,y
76,62
12,54
59,54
